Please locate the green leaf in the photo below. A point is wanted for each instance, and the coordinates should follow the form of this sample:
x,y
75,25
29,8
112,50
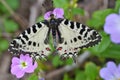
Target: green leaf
x,y
61,3
77,11
33,77
117,6
10,25
40,18
113,51
98,18
14,4
56,61
3,45
80,75
104,44
91,71
69,61
66,77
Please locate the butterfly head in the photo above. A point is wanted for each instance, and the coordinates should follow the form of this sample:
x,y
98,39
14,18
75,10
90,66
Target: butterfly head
x,y
52,20
52,16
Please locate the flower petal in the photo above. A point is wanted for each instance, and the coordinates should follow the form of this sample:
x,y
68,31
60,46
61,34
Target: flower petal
x,y
112,24
22,57
58,12
15,69
20,74
111,66
31,68
115,38
15,61
47,15
28,59
110,27
112,17
106,74
118,72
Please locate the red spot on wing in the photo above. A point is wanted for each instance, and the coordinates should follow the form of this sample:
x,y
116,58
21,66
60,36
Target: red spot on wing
x,y
48,49
60,48
75,48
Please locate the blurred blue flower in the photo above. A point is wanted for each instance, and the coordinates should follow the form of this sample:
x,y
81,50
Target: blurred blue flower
x,y
58,13
110,72
41,79
112,27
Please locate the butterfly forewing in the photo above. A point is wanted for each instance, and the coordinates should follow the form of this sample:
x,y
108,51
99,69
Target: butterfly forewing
x,y
72,36
76,36
32,41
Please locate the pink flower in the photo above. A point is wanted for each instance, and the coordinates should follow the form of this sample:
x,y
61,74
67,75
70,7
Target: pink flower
x,y
22,65
58,13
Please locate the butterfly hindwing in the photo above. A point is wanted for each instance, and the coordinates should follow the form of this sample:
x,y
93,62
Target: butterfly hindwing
x,y
32,41
76,36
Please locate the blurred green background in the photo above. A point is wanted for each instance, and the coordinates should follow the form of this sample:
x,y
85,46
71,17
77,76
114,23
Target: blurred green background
x,y
17,15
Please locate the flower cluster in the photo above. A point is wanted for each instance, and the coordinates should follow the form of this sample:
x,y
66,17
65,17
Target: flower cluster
x,y
112,27
110,72
22,65
58,13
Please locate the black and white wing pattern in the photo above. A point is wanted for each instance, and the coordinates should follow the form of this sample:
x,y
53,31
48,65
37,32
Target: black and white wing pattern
x,y
76,36
32,42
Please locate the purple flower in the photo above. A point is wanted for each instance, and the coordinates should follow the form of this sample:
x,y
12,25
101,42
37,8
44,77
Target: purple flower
x,y
22,65
58,13
110,72
41,79
112,27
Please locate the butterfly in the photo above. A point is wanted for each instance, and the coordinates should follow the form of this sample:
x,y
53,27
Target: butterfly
x,y
68,38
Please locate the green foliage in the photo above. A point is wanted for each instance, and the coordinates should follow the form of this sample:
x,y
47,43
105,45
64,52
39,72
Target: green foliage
x,y
98,18
117,6
66,77
3,45
33,77
113,51
56,61
14,4
80,75
78,11
10,25
91,71
69,61
40,18
61,3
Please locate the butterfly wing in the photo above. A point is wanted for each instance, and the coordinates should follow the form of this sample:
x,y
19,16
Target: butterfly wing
x,y
76,36
32,41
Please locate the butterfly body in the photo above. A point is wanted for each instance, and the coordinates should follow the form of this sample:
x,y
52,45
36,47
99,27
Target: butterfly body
x,y
68,38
